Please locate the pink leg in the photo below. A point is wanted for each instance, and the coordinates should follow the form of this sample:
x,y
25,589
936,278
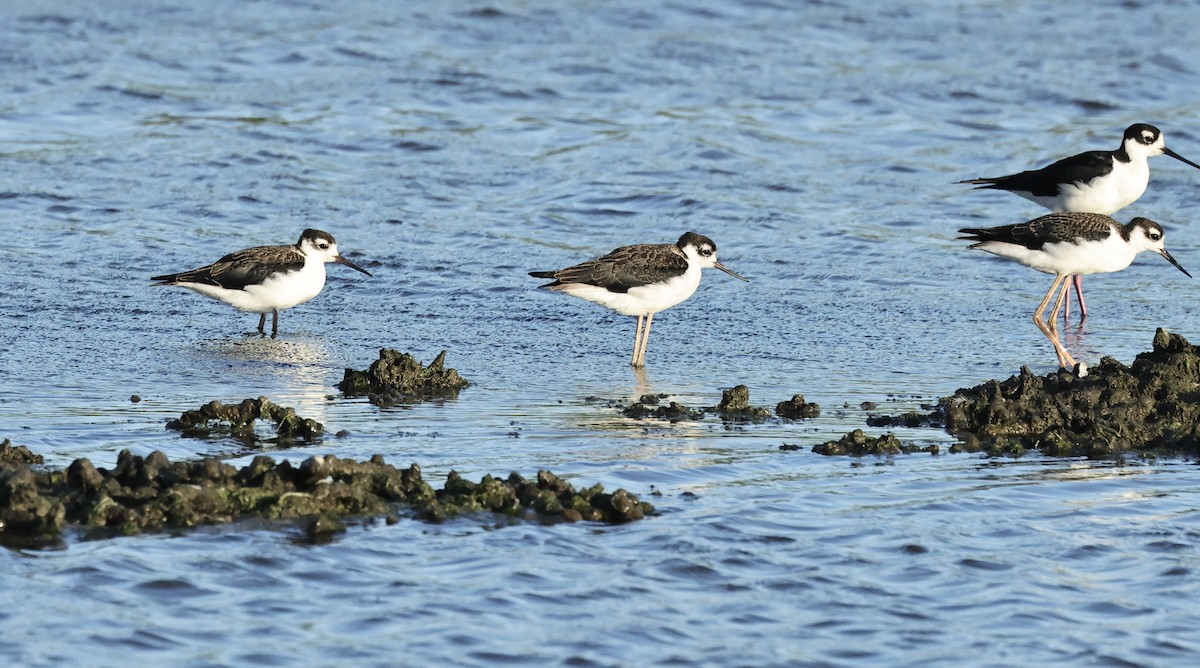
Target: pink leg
x,y
1077,280
1079,293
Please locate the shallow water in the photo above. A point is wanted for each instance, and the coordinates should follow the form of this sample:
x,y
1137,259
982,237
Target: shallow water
x,y
451,149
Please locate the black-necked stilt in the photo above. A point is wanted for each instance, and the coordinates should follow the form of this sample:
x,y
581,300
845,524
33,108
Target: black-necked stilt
x,y
1092,182
1070,244
266,279
640,280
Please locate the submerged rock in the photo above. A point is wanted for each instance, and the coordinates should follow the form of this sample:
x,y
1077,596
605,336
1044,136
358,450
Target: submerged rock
x,y
151,493
237,421
733,407
398,377
857,443
672,412
18,453
797,409
909,419
547,496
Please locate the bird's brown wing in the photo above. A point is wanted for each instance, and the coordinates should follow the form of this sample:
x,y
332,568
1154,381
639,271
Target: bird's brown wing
x,y
241,268
1052,228
624,268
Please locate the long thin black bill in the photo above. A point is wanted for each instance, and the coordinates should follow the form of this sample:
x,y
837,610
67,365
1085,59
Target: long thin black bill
x,y
1180,158
1170,259
341,260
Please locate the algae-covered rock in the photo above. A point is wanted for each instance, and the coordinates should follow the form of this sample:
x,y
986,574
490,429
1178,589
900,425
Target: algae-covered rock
x,y
858,443
797,409
1147,406
908,419
18,453
548,497
735,406
1151,405
24,512
398,377
672,412
152,493
237,421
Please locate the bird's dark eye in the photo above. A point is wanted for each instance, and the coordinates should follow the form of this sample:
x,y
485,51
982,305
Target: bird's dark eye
x,y
1147,138
706,252
1155,236
323,245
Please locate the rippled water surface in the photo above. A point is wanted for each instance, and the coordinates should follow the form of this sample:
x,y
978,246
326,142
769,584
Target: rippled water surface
x,y
453,147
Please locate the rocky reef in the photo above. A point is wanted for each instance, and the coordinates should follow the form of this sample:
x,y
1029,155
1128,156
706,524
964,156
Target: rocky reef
x,y
797,408
397,378
237,421
734,406
18,453
858,444
152,493
650,406
1151,406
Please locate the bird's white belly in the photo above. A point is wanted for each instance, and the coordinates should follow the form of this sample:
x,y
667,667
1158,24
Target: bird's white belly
x,y
642,300
1108,194
1088,257
279,292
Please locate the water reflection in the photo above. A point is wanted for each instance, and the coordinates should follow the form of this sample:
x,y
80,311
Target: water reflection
x,y
289,370
642,382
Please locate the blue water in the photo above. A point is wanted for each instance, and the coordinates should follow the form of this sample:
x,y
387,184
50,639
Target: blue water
x,y
451,148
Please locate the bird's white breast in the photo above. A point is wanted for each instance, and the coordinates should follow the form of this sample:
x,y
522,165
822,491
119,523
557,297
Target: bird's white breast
x,y
1109,193
280,291
1085,257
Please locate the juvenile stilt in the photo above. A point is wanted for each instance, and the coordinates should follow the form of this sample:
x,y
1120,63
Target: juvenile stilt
x,y
266,279
1067,245
640,281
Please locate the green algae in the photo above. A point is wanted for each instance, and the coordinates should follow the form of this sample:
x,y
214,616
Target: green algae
x,y
1150,407
152,493
18,453
237,421
397,378
797,408
858,444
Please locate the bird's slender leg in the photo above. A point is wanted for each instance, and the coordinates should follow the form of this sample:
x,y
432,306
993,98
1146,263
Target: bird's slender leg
x,y
1063,292
1067,313
1037,314
637,341
274,322
1063,356
646,339
637,345
641,359
1064,296
1078,280
262,321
